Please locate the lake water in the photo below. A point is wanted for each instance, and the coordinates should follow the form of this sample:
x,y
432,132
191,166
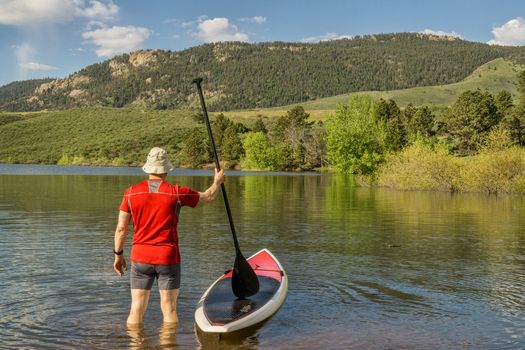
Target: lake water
x,y
368,268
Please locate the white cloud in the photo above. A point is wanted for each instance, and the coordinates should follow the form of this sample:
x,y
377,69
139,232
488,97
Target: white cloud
x,y
219,29
76,51
511,33
117,40
95,24
25,54
99,10
37,66
189,24
441,33
171,21
256,19
34,12
326,37
27,12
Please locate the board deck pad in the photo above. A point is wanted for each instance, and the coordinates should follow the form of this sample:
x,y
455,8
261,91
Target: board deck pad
x,y
222,306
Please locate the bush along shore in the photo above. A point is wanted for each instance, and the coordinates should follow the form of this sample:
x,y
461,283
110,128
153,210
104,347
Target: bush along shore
x,y
475,146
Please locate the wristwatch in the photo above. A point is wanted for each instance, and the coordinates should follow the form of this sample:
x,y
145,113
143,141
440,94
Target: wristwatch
x,y
118,253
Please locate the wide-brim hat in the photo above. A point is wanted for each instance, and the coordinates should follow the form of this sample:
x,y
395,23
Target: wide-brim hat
x,y
157,162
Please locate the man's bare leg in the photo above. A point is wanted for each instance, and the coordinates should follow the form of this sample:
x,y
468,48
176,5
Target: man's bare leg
x,y
168,335
139,304
138,339
168,304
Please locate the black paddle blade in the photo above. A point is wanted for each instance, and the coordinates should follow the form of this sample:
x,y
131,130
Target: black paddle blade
x,y
244,280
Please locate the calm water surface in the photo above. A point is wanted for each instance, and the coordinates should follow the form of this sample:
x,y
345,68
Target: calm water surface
x,y
368,268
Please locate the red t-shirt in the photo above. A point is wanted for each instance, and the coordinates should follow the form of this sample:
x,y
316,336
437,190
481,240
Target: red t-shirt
x,y
154,207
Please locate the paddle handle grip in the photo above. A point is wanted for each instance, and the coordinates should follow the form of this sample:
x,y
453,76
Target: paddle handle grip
x,y
198,82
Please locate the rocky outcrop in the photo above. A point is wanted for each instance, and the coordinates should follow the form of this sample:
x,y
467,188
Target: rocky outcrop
x,y
118,68
143,58
73,82
44,88
76,93
435,37
136,59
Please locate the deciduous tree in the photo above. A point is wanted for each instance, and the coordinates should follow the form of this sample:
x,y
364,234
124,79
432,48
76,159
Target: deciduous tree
x,y
355,137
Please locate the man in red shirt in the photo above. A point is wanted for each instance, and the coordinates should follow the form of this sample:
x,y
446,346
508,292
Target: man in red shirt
x,y
154,207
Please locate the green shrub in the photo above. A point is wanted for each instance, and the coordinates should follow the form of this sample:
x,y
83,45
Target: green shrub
x,y
498,168
420,166
260,154
494,172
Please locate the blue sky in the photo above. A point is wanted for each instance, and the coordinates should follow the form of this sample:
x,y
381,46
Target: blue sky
x,y
54,38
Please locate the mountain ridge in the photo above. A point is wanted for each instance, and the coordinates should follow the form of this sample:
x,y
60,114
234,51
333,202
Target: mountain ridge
x,y
262,75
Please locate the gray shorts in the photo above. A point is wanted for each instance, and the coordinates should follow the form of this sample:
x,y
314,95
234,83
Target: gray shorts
x,y
143,275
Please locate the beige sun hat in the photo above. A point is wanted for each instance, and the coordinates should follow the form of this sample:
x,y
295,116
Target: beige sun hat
x,y
157,162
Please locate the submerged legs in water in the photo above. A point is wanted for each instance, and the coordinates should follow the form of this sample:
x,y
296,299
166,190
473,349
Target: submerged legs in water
x,y
138,339
167,335
168,304
139,304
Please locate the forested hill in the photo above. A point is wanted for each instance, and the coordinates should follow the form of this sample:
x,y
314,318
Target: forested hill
x,y
16,89
241,75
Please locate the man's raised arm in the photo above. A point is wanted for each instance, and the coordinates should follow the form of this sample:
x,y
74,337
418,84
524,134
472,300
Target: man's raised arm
x,y
210,194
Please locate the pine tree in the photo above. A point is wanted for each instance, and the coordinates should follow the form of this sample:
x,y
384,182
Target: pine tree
x,y
504,103
470,119
219,126
195,149
389,113
231,145
259,126
422,122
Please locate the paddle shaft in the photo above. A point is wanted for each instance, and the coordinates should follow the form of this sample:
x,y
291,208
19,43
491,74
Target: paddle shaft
x,y
217,164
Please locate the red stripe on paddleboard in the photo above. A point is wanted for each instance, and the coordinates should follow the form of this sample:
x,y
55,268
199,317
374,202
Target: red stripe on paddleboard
x,y
264,265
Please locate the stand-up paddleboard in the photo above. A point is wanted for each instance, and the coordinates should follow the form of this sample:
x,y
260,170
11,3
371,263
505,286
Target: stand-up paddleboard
x,y
220,311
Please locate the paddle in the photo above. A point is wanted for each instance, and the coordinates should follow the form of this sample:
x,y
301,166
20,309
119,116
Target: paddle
x,y
244,279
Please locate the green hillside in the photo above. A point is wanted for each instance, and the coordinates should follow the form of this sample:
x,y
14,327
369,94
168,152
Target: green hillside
x,y
14,90
90,135
263,75
494,76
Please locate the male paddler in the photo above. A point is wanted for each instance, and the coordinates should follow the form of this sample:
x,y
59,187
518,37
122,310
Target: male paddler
x,y
154,207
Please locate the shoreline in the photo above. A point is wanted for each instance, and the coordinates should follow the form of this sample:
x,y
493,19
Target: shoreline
x,y
9,169
115,170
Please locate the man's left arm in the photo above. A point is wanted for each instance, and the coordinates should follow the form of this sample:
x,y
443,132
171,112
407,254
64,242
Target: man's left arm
x,y
119,264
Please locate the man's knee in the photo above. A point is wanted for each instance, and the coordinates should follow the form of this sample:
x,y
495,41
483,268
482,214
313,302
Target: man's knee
x,y
139,299
169,307
168,300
